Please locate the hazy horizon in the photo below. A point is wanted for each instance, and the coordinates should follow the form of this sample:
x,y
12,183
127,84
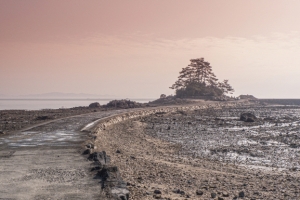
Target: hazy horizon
x,y
136,48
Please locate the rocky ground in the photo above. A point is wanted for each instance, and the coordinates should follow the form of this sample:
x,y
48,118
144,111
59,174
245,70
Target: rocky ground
x,y
208,154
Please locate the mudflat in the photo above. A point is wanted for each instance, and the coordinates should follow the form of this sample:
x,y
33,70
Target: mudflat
x,y
208,153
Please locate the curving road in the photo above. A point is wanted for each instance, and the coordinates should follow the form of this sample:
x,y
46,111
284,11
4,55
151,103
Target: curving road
x,y
44,162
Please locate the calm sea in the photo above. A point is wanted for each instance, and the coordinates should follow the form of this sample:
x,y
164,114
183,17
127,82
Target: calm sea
x,y
37,104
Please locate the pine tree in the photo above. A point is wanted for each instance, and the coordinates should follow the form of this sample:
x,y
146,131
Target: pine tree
x,y
198,79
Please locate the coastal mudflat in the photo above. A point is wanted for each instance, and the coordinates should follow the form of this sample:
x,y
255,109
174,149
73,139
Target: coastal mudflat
x,y
208,153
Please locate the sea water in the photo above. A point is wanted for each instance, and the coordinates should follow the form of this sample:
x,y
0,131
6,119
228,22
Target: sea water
x,y
37,104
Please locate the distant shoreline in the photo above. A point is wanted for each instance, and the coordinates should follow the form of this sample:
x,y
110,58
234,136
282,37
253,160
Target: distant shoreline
x,y
74,99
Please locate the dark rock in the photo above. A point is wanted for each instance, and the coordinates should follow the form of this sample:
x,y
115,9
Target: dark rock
x,y
220,198
199,192
157,192
90,146
118,151
2,132
294,145
248,117
157,196
213,195
242,194
86,152
43,117
95,105
178,191
99,157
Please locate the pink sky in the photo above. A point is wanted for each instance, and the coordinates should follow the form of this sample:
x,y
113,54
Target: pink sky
x,y
136,48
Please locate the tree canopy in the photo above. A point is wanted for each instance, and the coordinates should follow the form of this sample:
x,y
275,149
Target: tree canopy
x,y
198,79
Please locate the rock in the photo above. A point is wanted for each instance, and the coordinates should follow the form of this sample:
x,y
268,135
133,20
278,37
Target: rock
x,y
178,191
213,195
118,151
94,105
90,146
157,196
43,117
87,151
242,194
294,145
220,198
225,194
2,132
99,157
157,192
248,117
199,192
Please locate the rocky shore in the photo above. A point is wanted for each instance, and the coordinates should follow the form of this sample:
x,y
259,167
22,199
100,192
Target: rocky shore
x,y
205,152
195,150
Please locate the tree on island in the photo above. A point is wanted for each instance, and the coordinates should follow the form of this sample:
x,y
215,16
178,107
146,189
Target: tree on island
x,y
198,79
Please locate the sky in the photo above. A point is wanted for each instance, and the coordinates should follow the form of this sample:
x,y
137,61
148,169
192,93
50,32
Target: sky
x,y
135,49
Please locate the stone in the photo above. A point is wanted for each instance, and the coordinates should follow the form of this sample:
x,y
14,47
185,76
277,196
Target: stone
x,y
213,195
2,132
99,157
95,105
242,194
248,117
178,191
120,193
90,146
118,151
157,192
199,192
86,152
45,117
225,194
